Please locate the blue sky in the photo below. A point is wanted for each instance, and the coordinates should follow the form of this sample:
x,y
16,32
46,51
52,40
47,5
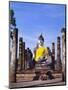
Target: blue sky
x,y
33,19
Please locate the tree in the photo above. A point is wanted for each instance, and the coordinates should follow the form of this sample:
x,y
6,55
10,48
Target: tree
x,y
63,30
12,19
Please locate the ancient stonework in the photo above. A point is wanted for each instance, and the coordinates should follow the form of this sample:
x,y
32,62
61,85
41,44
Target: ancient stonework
x,y
63,53
26,58
53,55
23,67
13,63
20,54
58,54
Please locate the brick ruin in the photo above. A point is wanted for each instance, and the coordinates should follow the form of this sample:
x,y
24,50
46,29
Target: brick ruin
x,y
13,62
63,31
20,64
53,55
58,54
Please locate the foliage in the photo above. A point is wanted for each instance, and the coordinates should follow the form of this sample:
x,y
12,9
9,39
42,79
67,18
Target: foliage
x,y
12,19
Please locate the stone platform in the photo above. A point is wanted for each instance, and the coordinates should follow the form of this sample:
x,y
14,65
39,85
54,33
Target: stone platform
x,y
29,77
25,78
37,83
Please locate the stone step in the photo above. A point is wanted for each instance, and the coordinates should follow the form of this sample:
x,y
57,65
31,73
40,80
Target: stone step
x,y
29,77
45,68
36,70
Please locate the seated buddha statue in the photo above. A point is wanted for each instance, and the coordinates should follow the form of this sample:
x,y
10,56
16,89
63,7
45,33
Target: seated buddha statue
x,y
40,52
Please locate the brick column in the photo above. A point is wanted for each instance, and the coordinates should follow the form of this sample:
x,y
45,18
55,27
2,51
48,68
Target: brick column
x,y
58,54
26,59
20,54
53,55
13,62
23,67
63,53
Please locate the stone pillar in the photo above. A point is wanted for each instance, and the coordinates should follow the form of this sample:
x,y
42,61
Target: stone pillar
x,y
13,63
26,59
23,67
64,53
20,54
53,56
58,54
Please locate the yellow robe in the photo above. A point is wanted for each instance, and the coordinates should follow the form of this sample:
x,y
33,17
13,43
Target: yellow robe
x,y
40,52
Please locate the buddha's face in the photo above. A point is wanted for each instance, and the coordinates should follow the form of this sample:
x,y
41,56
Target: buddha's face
x,y
40,42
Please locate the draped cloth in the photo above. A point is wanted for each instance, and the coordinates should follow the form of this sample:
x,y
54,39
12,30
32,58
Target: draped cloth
x,y
40,53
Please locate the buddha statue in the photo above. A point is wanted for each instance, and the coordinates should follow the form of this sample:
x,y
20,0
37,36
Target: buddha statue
x,y
40,51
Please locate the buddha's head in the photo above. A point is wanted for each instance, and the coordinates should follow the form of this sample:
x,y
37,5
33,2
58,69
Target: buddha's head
x,y
40,40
